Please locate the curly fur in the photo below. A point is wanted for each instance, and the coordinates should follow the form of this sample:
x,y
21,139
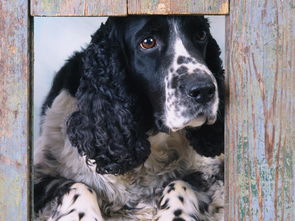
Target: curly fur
x,y
202,137
104,128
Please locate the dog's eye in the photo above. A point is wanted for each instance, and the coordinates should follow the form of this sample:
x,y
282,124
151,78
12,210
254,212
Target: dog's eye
x,y
148,43
201,36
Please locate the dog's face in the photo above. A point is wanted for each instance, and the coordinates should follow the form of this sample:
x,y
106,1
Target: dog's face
x,y
139,68
166,57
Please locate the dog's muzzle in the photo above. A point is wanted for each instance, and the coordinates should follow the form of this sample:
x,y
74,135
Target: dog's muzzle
x,y
194,100
200,88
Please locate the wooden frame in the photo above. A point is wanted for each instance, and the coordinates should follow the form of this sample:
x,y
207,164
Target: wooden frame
x,y
260,114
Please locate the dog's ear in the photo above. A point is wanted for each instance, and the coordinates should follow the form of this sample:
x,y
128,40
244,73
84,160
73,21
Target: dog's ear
x,y
208,140
108,127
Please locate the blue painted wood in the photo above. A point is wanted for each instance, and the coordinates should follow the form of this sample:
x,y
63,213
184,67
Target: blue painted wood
x,y
78,7
260,115
14,88
178,7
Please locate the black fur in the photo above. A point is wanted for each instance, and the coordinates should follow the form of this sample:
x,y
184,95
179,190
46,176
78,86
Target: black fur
x,y
108,124
208,140
120,95
48,189
114,115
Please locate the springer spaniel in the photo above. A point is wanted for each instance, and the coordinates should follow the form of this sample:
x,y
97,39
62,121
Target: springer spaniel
x,y
132,128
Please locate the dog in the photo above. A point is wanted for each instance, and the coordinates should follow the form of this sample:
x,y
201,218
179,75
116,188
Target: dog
x,y
132,128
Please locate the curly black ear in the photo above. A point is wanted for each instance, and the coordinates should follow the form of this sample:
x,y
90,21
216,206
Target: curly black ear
x,y
208,140
107,126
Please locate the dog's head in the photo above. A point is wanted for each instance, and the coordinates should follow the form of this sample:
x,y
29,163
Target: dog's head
x,y
167,58
142,73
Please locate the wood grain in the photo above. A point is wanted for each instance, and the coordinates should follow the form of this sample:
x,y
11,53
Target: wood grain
x,y
14,109
78,7
261,110
178,6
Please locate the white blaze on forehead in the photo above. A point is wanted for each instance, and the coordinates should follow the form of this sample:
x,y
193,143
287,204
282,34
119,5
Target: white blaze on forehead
x,y
175,111
180,50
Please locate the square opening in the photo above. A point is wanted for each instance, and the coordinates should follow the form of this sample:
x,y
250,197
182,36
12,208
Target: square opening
x,y
56,39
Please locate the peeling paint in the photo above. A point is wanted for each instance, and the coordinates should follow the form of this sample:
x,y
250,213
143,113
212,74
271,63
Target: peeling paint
x,y
165,7
78,8
14,66
260,117
224,8
8,161
261,111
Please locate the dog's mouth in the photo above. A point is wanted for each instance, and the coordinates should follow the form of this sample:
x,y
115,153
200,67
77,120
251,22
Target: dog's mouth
x,y
197,121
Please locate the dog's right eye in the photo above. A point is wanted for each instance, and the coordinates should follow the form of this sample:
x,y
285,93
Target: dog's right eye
x,y
148,43
201,36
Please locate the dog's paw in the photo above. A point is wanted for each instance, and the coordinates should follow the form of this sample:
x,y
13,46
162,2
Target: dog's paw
x,y
80,203
178,203
181,202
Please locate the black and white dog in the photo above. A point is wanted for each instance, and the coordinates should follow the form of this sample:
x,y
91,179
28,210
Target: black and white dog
x,y
133,126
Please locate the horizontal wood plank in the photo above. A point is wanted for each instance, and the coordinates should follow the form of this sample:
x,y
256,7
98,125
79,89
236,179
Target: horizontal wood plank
x,y
78,7
260,115
14,117
178,7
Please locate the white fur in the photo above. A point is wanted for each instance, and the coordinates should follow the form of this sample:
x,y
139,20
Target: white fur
x,y
180,50
188,207
174,112
171,155
86,204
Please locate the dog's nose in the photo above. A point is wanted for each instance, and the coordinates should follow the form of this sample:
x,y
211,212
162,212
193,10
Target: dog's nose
x,y
202,92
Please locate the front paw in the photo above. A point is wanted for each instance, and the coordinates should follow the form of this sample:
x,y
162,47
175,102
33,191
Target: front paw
x,y
178,203
80,203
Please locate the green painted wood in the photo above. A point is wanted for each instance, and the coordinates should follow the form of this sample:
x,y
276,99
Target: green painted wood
x,y
119,7
178,6
260,116
14,109
78,7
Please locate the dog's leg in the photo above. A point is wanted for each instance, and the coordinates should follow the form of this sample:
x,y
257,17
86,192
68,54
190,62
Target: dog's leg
x,y
180,202
79,203
57,198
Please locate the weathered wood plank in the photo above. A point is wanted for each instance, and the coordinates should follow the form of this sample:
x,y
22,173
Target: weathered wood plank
x,y
78,7
260,134
14,109
178,6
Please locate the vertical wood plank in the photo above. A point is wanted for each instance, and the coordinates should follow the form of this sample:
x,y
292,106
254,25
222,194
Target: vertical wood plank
x,y
260,134
78,7
178,6
14,69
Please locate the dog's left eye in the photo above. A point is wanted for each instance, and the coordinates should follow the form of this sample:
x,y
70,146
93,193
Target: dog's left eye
x,y
148,43
201,36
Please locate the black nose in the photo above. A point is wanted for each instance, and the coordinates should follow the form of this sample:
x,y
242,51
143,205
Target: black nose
x,y
202,92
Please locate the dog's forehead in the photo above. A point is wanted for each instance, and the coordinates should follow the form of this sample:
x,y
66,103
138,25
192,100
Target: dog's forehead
x,y
146,22
138,23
